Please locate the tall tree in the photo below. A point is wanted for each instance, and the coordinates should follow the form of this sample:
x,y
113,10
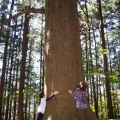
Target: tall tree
x,y
23,65
63,59
4,61
3,74
105,59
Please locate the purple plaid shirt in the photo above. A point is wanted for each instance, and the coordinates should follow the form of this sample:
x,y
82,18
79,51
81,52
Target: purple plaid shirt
x,y
80,97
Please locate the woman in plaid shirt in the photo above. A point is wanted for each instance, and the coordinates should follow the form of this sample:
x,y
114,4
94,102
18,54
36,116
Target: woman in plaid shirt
x,y
80,95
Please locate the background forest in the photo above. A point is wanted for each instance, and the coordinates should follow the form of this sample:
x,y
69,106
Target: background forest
x,y
22,37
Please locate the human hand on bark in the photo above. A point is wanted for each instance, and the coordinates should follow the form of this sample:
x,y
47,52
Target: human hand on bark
x,y
70,91
56,92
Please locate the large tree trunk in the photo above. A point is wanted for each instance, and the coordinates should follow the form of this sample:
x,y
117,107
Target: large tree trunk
x,y
63,59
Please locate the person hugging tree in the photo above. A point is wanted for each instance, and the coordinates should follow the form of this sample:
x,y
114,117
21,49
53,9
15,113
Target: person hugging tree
x,y
81,100
42,104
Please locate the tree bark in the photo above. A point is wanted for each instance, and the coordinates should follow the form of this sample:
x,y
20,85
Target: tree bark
x,y
4,64
63,60
22,70
95,87
105,60
3,75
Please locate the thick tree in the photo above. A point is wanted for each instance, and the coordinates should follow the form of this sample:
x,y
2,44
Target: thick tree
x,y
63,60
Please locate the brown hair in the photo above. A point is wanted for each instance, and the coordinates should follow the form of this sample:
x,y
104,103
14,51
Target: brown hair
x,y
82,86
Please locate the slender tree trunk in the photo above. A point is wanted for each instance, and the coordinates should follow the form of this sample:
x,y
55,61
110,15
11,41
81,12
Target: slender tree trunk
x,y
63,59
17,67
4,65
23,64
95,88
16,85
34,118
107,81
41,56
3,75
9,81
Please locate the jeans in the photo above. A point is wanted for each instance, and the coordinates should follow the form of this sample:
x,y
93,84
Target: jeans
x,y
39,116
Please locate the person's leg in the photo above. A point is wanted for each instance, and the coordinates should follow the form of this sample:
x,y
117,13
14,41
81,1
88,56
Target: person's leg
x,y
81,114
85,113
39,116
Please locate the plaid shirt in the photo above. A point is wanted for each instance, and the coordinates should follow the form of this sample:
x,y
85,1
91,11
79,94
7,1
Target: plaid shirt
x,y
80,97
